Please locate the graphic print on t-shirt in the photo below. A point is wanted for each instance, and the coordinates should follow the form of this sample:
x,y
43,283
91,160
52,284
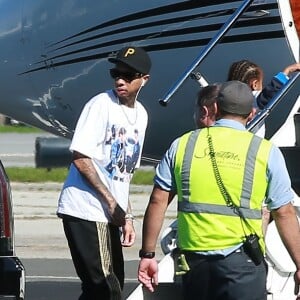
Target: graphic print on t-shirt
x,y
124,152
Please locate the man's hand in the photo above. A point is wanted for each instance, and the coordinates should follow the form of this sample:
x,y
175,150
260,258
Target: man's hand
x,y
128,233
148,273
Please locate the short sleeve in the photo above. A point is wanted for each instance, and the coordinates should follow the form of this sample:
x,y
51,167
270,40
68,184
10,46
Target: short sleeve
x,y
91,126
279,188
164,176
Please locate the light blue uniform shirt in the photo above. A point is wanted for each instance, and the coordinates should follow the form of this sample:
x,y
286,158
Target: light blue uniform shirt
x,y
279,190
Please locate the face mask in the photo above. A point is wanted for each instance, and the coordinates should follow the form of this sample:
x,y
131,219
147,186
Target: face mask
x,y
255,93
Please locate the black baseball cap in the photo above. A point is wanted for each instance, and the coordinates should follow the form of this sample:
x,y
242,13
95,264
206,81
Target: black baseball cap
x,y
235,97
134,57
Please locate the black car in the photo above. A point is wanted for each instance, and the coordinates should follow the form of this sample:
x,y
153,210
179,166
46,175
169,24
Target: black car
x,y
12,271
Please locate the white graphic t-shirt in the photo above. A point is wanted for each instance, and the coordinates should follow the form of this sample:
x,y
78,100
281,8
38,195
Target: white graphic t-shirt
x,y
112,135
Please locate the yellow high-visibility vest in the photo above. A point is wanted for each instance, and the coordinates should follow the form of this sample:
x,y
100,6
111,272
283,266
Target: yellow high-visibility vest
x,y
205,222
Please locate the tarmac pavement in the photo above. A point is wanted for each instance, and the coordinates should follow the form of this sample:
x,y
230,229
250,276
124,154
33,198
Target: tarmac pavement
x,y
39,232
41,245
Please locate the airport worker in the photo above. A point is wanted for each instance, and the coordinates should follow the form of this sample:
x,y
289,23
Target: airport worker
x,y
205,115
221,175
93,204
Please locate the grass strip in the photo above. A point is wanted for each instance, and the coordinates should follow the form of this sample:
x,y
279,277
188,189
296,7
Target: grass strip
x,y
18,129
29,174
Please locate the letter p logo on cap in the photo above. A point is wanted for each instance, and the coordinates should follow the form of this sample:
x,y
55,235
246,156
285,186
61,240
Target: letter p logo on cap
x,y
129,51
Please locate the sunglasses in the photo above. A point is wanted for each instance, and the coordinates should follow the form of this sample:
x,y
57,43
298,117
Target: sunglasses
x,y
127,75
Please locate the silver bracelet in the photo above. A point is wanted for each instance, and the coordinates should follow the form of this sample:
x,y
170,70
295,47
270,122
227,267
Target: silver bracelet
x,y
129,217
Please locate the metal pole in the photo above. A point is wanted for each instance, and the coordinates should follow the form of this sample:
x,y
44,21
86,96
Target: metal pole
x,y
164,101
277,98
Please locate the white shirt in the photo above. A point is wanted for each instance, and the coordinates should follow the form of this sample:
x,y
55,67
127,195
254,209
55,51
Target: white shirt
x,y
112,135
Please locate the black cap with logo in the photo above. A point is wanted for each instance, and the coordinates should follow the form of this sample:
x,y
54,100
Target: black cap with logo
x,y
134,57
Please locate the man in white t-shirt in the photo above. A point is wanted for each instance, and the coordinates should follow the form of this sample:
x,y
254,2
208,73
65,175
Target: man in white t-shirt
x,y
94,203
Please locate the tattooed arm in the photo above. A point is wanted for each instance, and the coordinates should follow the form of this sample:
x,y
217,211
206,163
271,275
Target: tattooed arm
x,y
86,168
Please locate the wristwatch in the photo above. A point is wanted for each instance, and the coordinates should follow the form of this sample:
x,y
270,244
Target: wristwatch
x,y
145,254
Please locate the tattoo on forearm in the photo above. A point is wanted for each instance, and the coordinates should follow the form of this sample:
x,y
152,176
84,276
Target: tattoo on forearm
x,y
87,169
